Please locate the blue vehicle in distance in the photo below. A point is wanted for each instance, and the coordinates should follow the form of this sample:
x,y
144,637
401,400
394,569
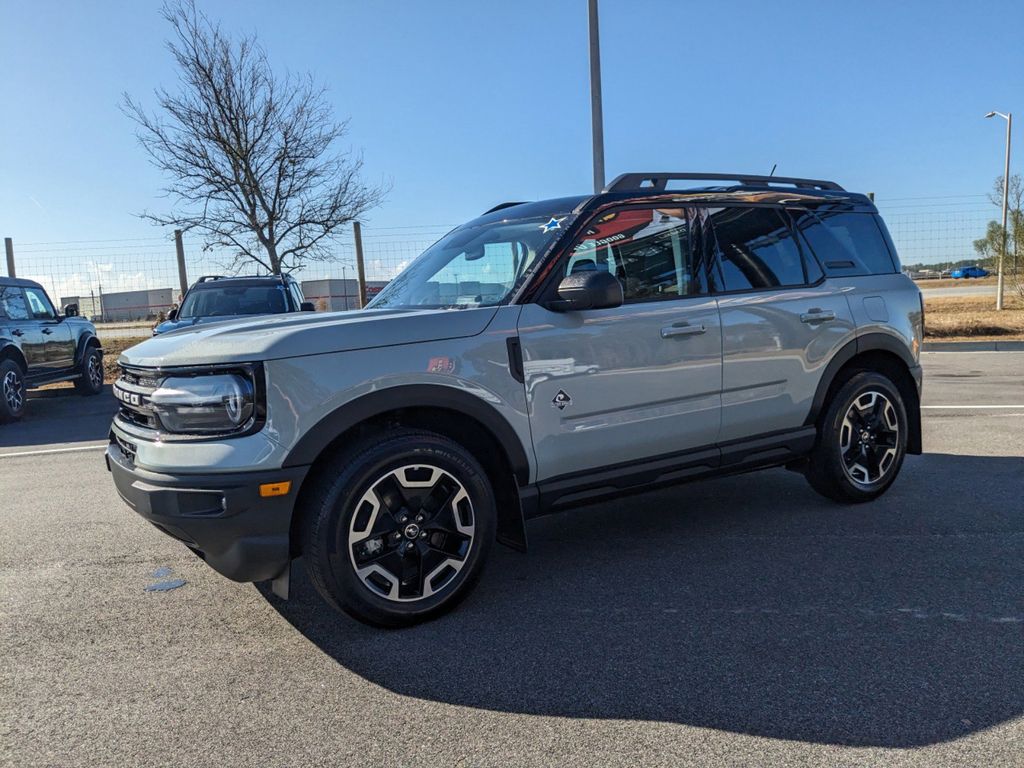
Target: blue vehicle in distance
x,y
214,299
968,272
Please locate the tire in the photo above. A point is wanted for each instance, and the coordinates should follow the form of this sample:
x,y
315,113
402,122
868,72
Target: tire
x,y
862,440
90,380
13,397
397,528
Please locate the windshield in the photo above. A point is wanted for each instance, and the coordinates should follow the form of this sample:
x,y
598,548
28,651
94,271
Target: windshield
x,y
473,266
234,300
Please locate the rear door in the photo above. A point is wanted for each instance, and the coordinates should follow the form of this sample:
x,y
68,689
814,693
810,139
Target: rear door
x,y
781,321
53,333
613,386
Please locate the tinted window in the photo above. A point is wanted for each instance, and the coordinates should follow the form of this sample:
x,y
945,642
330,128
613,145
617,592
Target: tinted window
x,y
39,305
12,304
846,243
655,253
757,250
234,300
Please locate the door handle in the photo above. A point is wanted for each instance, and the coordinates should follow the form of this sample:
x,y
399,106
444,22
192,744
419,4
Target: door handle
x,y
816,315
18,332
682,329
47,331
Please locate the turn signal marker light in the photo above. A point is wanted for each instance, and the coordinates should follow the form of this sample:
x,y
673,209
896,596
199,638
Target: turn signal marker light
x,y
275,489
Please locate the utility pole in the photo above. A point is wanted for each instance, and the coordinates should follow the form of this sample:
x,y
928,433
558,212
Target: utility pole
x,y
9,247
182,275
1008,117
357,231
596,112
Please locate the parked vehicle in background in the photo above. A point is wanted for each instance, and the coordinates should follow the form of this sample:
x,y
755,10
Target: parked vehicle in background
x,y
215,298
40,346
968,272
541,356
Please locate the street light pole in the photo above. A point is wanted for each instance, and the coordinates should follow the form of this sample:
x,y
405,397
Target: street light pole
x,y
1008,117
596,113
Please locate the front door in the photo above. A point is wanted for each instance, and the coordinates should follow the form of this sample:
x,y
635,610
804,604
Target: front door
x,y
50,331
642,380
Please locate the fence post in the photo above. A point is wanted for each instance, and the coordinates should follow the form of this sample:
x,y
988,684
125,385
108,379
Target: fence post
x,y
360,268
9,247
182,274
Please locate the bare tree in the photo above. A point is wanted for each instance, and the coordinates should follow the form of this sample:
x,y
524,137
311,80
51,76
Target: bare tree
x,y
251,156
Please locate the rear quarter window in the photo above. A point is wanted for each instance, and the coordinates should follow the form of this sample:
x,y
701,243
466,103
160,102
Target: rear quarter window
x,y
847,243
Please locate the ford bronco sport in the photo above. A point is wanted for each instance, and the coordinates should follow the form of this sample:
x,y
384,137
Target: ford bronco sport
x,y
40,346
543,355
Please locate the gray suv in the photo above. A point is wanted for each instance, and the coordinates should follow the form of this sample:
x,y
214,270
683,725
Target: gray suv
x,y
544,355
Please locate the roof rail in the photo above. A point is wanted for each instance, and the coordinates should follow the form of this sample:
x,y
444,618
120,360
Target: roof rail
x,y
207,278
499,206
658,181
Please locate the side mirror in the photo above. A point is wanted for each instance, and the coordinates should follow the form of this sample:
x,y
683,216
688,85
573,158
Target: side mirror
x,y
173,314
592,289
307,306
71,310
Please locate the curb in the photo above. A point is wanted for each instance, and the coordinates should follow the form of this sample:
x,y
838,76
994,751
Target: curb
x,y
973,346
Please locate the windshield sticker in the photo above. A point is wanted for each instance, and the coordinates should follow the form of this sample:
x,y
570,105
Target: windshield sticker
x,y
552,224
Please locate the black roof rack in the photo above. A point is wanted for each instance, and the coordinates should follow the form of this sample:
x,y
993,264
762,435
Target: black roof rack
x,y
659,181
499,206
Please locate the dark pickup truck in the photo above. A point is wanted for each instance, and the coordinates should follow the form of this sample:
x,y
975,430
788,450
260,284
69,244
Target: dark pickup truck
x,y
40,346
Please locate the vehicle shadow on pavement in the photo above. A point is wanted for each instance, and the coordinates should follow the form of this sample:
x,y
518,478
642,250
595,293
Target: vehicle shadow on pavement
x,y
60,416
746,604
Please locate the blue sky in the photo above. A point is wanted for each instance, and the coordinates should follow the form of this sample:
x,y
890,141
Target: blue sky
x,y
460,105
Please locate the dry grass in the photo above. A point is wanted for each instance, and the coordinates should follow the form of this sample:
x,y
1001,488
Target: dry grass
x,y
974,317
948,282
112,349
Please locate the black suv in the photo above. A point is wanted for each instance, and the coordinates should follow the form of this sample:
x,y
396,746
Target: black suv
x,y
40,346
215,298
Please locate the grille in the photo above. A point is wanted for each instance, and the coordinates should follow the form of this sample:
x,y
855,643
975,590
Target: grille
x,y
132,390
127,448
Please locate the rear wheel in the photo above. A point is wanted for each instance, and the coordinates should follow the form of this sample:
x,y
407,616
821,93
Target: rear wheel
x,y
398,527
90,379
862,440
12,391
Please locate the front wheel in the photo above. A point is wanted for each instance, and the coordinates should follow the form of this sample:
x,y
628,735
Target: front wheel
x,y
12,391
398,527
90,373
862,440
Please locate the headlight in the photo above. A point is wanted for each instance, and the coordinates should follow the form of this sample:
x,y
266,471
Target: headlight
x,y
218,403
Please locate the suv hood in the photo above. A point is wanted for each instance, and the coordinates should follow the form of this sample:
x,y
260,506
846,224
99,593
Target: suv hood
x,y
187,322
273,337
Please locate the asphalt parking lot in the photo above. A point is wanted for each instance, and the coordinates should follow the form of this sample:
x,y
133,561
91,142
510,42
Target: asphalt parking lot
x,y
733,622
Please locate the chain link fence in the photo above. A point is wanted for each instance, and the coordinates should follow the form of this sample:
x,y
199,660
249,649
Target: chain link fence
x,y
124,280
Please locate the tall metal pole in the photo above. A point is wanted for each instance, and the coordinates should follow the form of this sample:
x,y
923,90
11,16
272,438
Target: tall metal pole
x,y
596,113
1006,197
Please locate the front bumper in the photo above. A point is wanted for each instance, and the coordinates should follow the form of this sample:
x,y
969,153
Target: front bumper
x,y
220,517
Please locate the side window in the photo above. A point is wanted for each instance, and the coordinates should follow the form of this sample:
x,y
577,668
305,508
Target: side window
x,y
846,243
12,304
39,305
297,295
655,253
757,250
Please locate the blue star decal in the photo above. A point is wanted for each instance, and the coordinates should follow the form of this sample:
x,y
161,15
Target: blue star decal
x,y
553,223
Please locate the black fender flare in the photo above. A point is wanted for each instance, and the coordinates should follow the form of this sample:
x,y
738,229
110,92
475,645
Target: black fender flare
x,y
366,407
869,342
8,349
85,341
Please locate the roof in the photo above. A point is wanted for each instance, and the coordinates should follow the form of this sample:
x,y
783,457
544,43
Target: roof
x,y
212,281
20,282
744,188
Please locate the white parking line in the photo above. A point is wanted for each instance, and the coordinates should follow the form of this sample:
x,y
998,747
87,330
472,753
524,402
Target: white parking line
x,y
53,450
971,407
